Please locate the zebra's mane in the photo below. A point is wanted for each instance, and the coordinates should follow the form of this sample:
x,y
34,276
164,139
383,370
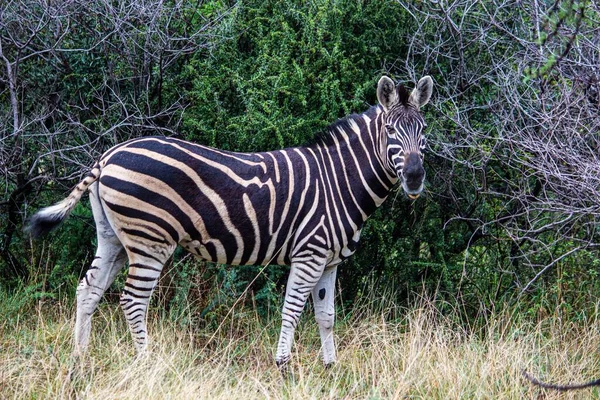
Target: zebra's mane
x,y
403,95
328,136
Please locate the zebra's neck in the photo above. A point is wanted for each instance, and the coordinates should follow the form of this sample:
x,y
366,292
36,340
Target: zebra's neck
x,y
353,156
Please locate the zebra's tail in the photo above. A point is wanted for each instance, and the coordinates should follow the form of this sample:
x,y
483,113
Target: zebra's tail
x,y
49,218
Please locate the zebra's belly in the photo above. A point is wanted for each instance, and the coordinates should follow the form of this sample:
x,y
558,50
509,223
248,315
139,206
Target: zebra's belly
x,y
257,254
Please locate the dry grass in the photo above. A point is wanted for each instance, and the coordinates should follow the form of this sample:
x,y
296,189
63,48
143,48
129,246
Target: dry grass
x,y
421,355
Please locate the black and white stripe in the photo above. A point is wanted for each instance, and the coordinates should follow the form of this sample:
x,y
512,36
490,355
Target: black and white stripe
x,y
303,207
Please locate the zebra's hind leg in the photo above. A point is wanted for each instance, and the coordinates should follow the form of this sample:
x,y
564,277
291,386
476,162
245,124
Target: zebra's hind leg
x,y
110,258
323,299
144,271
303,278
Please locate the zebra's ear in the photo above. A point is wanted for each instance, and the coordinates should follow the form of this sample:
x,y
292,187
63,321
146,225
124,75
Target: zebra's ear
x,y
422,93
386,92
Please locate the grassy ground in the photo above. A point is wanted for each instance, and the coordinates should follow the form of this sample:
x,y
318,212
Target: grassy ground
x,y
384,353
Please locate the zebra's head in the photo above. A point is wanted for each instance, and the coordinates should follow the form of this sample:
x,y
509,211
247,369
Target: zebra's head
x,y
403,126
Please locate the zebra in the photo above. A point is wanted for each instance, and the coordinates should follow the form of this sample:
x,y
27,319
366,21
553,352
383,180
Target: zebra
x,y
301,206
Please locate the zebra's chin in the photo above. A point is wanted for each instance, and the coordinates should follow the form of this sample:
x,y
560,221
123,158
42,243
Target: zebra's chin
x,y
412,194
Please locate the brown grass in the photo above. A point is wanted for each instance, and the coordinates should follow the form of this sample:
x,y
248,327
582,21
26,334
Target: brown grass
x,y
421,354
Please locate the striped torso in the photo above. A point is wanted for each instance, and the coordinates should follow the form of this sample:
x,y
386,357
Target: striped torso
x,y
250,208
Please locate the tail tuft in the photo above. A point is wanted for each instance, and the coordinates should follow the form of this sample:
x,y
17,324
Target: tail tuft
x,y
47,219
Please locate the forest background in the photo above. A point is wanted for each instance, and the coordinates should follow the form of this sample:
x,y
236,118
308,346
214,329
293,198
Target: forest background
x,y
511,211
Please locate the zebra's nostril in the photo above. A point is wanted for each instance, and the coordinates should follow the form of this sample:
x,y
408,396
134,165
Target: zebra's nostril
x,y
414,184
415,174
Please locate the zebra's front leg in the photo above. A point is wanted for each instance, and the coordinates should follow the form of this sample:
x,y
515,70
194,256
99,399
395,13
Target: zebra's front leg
x,y
323,298
303,278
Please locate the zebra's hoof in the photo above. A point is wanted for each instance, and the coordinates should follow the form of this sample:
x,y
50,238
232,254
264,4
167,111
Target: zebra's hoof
x,y
284,368
282,364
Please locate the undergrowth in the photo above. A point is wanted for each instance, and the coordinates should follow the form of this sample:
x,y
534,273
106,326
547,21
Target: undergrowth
x,y
384,352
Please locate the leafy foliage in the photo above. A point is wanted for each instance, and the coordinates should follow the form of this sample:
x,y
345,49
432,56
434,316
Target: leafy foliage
x,y
288,71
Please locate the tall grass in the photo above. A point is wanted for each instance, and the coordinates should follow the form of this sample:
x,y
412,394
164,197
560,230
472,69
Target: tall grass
x,y
385,352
